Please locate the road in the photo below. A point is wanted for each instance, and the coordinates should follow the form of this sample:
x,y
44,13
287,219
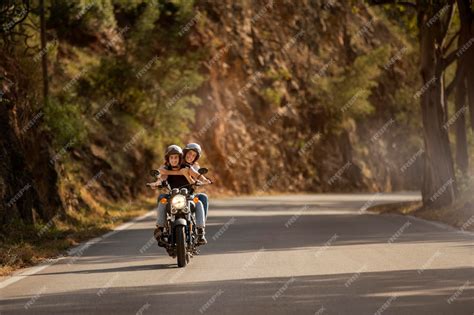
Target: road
x,y
305,254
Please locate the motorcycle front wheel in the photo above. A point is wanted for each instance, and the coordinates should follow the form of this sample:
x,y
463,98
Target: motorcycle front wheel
x,y
181,245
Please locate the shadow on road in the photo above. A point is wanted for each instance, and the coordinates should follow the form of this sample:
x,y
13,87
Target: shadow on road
x,y
435,291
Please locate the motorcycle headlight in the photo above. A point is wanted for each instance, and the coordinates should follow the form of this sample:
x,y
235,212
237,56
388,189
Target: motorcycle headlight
x,y
178,202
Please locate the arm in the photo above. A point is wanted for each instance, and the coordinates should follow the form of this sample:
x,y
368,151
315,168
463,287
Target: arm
x,y
196,176
189,178
164,171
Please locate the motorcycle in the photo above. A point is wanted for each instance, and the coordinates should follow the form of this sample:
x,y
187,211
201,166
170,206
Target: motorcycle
x,y
180,233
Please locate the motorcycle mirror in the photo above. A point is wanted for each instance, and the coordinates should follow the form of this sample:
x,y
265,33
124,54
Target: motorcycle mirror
x,y
203,170
155,173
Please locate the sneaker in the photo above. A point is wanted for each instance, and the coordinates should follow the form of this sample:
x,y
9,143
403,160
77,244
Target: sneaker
x,y
201,239
158,233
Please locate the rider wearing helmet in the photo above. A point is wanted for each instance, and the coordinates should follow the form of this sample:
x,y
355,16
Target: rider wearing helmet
x,y
173,159
191,153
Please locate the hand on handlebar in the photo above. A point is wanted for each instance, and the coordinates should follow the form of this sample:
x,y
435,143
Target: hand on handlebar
x,y
203,182
155,185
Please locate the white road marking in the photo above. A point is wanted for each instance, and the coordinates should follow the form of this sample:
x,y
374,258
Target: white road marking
x,y
17,276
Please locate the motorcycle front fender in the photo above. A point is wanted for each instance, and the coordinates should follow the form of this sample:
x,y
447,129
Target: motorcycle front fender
x,y
180,221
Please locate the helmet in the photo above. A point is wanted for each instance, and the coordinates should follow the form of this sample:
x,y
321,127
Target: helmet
x,y
173,149
195,147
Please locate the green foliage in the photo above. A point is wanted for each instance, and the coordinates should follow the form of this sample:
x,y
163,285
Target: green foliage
x,y
73,20
272,96
63,119
348,94
402,16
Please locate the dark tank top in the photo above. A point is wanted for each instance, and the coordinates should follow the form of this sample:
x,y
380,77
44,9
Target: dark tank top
x,y
176,181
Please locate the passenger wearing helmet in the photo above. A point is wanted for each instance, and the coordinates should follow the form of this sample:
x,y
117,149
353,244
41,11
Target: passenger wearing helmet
x,y
192,152
176,153
173,160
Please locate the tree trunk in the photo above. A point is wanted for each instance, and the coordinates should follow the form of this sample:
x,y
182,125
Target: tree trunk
x,y
466,16
17,190
44,60
439,182
462,157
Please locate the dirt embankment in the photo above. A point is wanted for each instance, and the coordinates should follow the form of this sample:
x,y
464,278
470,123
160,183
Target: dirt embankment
x,y
262,124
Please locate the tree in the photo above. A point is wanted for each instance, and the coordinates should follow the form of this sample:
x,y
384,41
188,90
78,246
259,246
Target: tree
x,y
433,21
44,58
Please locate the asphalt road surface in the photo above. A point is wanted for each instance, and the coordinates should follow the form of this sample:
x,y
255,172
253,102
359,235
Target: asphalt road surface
x,y
306,254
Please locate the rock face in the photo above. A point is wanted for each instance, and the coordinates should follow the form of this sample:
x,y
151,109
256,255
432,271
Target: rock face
x,y
262,126
263,122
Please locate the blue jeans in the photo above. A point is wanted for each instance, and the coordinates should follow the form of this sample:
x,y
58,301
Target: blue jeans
x,y
161,212
205,202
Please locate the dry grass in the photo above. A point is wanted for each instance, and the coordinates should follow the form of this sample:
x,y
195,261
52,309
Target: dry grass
x,y
22,246
459,215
